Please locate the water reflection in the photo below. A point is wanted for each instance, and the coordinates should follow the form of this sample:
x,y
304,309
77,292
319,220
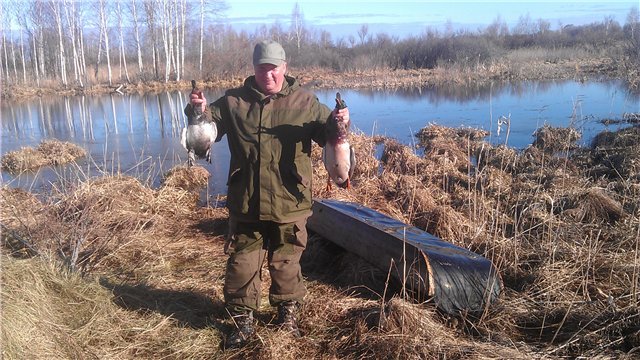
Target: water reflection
x,y
139,133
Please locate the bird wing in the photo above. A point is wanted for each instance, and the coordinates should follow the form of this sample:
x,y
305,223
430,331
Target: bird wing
x,y
213,132
183,137
352,161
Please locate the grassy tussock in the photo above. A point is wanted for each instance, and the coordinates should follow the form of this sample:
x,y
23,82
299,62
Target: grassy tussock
x,y
187,178
48,153
560,222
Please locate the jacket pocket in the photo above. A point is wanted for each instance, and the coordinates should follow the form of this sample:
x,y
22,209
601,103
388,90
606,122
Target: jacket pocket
x,y
237,191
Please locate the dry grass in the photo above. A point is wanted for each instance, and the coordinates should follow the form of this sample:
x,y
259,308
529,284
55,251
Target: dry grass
x,y
561,224
551,139
187,178
48,153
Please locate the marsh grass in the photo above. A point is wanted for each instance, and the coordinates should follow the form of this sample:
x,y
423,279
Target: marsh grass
x,y
47,153
561,223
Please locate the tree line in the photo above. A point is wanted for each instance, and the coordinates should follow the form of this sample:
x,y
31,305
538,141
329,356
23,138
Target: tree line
x,y
72,43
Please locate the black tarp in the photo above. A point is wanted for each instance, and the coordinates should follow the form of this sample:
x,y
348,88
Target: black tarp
x,y
455,279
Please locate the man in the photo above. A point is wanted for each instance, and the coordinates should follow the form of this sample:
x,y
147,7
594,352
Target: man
x,y
269,122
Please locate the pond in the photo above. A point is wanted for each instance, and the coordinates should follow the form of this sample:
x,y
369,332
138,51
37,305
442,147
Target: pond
x,y
139,134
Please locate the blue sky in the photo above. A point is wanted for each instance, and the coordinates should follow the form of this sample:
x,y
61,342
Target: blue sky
x,y
406,17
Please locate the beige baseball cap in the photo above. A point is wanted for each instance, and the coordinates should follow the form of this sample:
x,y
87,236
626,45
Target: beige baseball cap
x,y
268,52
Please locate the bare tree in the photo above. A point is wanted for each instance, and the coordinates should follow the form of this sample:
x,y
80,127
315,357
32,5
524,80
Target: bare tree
x,y
35,19
165,25
22,20
362,33
352,40
609,21
497,29
57,13
13,60
544,26
150,12
72,21
104,34
201,35
525,25
175,51
633,21
276,32
5,63
297,25
83,62
123,55
40,20
183,23
7,19
325,39
35,61
24,61
449,28
137,35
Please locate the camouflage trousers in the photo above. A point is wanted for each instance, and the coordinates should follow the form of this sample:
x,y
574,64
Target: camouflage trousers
x,y
248,244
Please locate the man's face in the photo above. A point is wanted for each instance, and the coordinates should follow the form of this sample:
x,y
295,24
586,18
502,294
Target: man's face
x,y
270,77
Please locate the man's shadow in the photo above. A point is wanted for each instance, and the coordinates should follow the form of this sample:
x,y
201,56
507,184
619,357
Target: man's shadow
x,y
188,308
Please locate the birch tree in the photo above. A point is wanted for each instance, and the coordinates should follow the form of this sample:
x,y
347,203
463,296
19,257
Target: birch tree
x,y
25,28
633,21
104,34
201,35
83,62
39,21
165,20
57,12
149,7
183,23
123,56
137,36
34,19
24,60
176,24
5,62
73,24
4,25
99,54
13,60
8,16
36,69
297,25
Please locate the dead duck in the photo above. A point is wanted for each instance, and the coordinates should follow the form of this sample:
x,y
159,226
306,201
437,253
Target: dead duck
x,y
337,155
199,134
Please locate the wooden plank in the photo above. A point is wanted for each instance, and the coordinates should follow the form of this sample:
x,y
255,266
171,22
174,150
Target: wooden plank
x,y
455,279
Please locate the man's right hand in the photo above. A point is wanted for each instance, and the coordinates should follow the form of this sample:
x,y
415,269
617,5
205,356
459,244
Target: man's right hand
x,y
197,99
